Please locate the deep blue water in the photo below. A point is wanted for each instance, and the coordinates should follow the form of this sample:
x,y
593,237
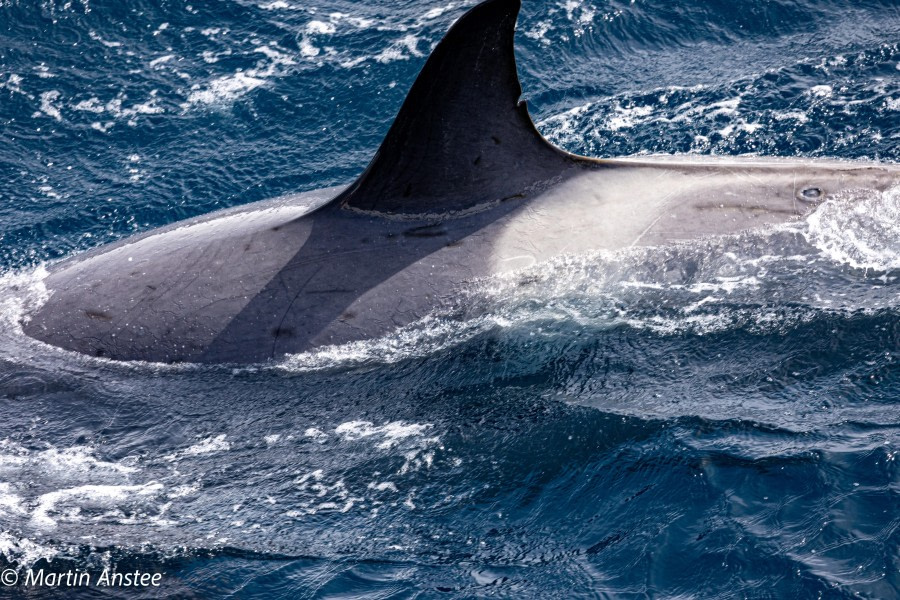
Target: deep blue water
x,y
715,420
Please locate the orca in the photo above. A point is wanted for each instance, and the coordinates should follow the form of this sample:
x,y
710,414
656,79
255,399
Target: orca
x,y
462,187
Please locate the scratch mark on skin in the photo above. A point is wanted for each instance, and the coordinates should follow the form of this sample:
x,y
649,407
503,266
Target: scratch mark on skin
x,y
319,257
794,194
204,308
426,231
751,208
332,291
97,314
646,230
288,309
666,201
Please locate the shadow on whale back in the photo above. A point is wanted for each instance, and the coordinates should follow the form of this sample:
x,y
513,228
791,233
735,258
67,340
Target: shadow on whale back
x,y
462,187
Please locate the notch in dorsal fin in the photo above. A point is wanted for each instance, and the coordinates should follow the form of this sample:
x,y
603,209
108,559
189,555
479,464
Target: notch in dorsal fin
x,y
461,138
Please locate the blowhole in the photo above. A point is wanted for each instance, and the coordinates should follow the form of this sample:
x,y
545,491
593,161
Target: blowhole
x,y
811,193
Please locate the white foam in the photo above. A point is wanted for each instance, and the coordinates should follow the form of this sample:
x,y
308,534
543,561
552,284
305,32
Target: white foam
x,y
740,125
68,503
410,438
48,104
417,459
316,434
539,32
277,57
322,495
21,293
320,28
23,552
160,60
10,501
96,37
210,57
430,334
226,88
570,125
208,446
321,491
821,91
13,83
391,434
67,463
278,5
437,11
47,190
383,486
63,465
43,71
721,284
727,285
307,48
149,107
116,109
40,488
350,63
90,105
627,117
355,21
181,491
578,12
859,229
688,111
401,49
783,115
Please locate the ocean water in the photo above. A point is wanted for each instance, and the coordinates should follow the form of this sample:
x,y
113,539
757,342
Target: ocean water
x,y
719,419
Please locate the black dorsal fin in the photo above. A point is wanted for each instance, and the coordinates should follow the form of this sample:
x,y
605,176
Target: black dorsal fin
x,y
462,138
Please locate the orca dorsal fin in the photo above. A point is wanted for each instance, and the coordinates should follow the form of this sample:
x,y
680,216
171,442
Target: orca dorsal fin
x,y
462,138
